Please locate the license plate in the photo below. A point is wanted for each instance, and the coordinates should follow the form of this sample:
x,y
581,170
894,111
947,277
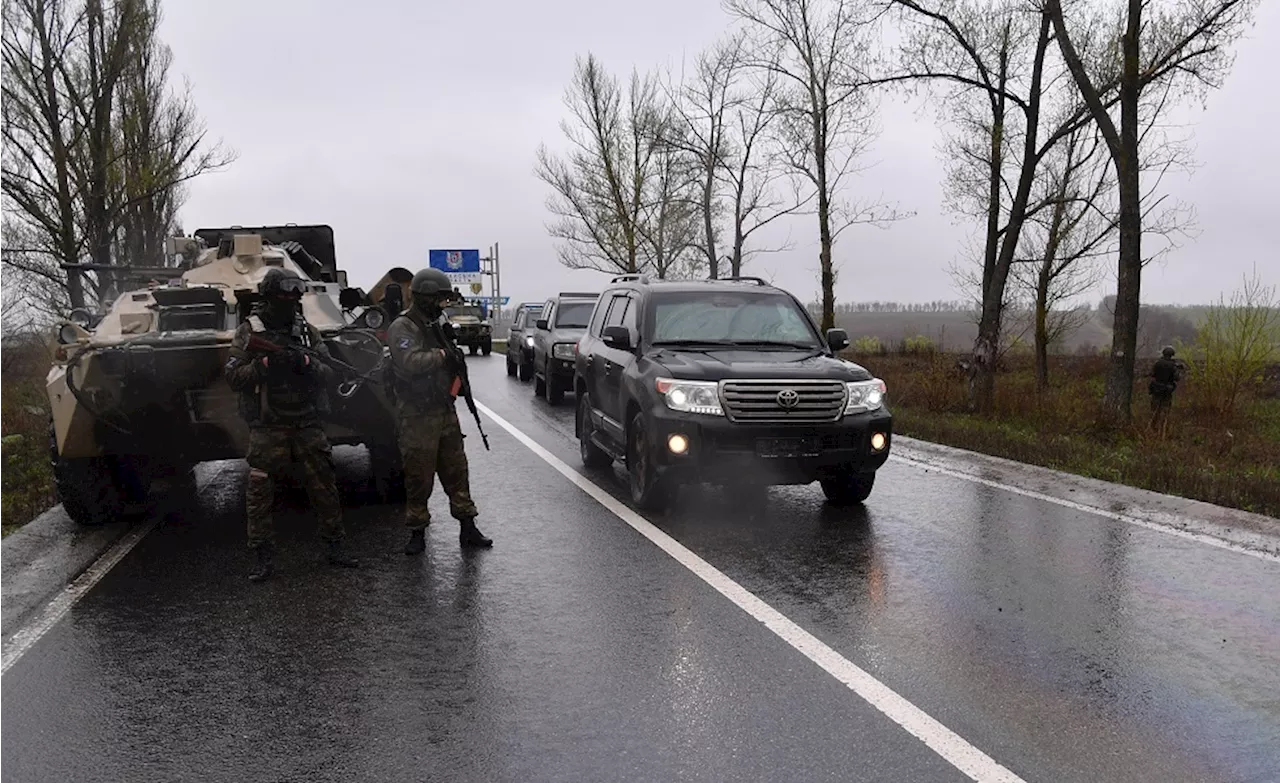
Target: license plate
x,y
787,447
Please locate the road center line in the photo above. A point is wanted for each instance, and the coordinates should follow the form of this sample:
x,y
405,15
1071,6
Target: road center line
x,y
946,743
57,608
1168,529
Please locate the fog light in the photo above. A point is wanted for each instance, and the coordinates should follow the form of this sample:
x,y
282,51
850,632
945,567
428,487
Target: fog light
x,y
678,444
877,441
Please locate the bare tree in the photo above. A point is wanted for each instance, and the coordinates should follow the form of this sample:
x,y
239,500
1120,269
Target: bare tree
x,y
159,143
93,142
726,111
992,63
672,212
1066,239
41,134
598,189
825,118
1185,42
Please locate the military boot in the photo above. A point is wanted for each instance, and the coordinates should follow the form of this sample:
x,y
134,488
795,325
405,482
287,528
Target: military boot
x,y
338,557
417,542
470,535
264,566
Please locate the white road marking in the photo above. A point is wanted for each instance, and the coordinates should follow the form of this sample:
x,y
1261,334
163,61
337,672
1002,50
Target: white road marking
x,y
946,743
1201,538
57,608
54,611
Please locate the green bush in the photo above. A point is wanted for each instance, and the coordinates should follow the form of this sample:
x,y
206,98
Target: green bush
x,y
26,483
868,346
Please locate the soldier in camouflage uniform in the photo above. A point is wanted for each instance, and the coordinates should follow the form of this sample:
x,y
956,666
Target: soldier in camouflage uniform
x,y
426,382
282,397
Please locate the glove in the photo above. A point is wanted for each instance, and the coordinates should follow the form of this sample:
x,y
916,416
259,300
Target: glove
x,y
299,362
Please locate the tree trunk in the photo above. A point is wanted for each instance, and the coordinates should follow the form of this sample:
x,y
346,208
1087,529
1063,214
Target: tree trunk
x,y
824,261
1118,397
1042,328
995,281
708,199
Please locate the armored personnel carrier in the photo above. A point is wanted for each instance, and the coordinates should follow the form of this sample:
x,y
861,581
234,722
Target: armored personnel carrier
x,y
138,393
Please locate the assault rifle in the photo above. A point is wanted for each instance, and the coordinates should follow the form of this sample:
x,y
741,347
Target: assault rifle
x,y
459,363
355,378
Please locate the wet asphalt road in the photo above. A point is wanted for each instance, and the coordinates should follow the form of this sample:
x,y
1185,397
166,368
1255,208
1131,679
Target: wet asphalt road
x,y
1067,646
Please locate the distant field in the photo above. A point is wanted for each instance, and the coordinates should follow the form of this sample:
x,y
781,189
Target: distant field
x,y
956,330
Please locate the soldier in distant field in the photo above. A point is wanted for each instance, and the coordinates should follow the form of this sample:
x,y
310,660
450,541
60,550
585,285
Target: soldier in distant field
x,y
427,382
282,397
1165,374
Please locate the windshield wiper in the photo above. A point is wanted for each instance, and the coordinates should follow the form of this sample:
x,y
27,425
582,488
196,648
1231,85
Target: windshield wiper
x,y
690,343
778,343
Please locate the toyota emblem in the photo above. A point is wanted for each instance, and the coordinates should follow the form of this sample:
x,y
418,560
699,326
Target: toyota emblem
x,y
788,398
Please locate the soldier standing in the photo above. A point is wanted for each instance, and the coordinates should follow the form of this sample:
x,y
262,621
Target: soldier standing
x,y
427,382
1165,374
282,397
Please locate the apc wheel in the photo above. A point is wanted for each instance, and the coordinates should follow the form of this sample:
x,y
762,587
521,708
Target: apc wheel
x,y
848,489
475,349
487,348
88,491
526,371
649,492
592,455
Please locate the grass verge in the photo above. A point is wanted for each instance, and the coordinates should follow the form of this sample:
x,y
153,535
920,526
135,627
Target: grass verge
x,y
1231,462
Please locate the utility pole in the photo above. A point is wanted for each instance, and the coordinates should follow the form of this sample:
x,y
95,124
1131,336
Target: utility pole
x,y
495,280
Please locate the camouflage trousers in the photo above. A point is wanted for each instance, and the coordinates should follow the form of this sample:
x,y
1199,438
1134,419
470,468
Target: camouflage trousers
x,y
431,445
305,452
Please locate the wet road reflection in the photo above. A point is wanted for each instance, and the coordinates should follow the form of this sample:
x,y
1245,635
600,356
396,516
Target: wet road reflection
x,y
1067,646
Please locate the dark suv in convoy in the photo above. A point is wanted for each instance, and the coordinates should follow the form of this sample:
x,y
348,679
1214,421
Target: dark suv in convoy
x,y
727,382
520,341
555,339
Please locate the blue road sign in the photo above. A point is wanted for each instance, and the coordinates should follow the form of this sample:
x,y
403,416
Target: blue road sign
x,y
455,262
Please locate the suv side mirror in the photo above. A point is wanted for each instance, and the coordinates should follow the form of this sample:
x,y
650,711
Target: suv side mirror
x,y
542,324
617,337
838,339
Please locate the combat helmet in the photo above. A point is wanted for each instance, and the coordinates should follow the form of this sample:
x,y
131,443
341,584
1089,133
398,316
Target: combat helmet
x,y
281,282
430,282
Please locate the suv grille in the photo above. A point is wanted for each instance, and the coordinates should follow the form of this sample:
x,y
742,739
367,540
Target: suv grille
x,y
779,401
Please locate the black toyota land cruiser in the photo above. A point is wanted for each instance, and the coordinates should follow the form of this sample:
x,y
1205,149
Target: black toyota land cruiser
x,y
727,382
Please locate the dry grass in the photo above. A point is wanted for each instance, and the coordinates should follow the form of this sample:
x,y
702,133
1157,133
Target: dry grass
x,y
26,483
1231,462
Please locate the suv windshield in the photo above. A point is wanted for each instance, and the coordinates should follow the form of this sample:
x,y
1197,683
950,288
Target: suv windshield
x,y
574,315
729,317
471,310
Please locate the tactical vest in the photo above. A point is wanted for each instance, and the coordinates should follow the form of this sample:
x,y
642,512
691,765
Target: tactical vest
x,y
429,390
284,399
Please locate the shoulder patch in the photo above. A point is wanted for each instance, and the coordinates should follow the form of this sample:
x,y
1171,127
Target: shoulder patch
x,y
404,343
255,322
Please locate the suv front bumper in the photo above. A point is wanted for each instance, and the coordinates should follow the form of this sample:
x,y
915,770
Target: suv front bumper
x,y
722,451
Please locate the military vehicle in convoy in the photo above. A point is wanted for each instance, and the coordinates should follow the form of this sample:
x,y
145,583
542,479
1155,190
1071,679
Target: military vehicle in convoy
x,y
138,392
470,327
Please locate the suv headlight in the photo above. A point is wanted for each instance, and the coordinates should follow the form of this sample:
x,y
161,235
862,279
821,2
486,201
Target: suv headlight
x,y
865,395
529,341
563,350
691,396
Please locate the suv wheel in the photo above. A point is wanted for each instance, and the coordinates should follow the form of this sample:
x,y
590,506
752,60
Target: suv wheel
x,y
848,488
649,492
539,385
526,371
555,388
592,455
511,367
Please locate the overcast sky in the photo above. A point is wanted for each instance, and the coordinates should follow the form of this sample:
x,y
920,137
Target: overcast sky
x,y
411,125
